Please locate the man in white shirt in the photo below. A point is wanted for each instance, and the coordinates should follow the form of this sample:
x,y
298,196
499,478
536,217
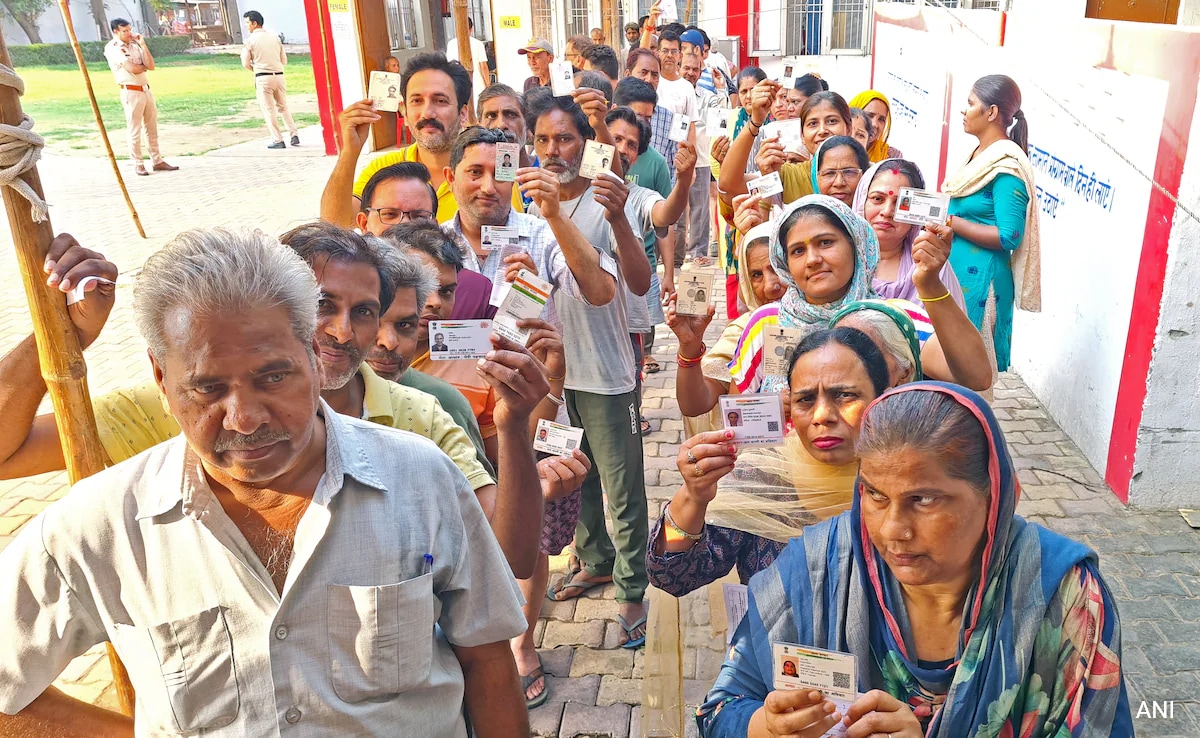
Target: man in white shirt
x,y
674,92
694,230
320,549
129,58
263,54
481,75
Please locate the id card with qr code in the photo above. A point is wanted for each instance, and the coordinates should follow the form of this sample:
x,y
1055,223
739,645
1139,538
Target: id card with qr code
x,y
920,207
766,185
756,420
804,667
553,438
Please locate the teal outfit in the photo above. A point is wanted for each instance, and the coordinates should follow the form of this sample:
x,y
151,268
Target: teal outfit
x,y
1002,203
650,171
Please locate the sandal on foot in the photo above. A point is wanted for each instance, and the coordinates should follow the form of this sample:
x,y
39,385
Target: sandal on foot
x,y
527,681
632,642
576,589
644,425
650,366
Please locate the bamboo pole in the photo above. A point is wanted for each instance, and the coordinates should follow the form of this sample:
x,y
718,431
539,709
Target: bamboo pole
x,y
608,21
87,81
687,14
462,33
59,353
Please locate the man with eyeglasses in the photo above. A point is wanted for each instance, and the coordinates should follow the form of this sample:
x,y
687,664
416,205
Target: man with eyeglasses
x,y
674,92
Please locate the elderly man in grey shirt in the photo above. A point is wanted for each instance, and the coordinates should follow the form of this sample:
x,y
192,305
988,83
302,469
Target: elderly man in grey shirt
x,y
278,568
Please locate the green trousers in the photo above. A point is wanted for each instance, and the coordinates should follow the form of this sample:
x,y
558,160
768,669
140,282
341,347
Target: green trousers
x,y
613,442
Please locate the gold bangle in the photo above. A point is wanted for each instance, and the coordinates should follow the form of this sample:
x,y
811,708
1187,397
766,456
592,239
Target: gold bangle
x,y
555,379
703,351
934,299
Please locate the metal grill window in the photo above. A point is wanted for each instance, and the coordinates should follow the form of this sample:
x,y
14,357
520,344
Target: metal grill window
x,y
577,18
849,24
475,11
402,24
803,27
543,20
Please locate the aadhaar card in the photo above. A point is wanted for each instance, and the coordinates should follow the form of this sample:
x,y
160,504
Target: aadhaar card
x,y
384,91
804,667
680,124
562,78
921,207
766,185
756,420
508,158
553,438
497,237
779,344
694,291
596,159
526,298
451,340
788,133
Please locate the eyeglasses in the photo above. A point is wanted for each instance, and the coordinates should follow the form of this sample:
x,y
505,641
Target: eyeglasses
x,y
392,216
669,52
829,175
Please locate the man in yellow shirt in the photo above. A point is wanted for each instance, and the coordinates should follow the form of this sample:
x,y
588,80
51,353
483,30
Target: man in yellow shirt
x,y
356,288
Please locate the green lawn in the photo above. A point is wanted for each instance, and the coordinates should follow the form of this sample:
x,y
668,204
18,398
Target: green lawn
x,y
199,91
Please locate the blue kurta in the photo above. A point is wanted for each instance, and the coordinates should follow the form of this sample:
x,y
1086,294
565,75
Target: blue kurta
x,y
1002,203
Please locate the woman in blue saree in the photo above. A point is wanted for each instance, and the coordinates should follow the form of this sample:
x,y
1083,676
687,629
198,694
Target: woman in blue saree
x,y
964,620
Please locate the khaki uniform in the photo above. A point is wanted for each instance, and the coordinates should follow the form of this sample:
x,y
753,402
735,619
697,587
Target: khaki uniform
x,y
263,54
141,114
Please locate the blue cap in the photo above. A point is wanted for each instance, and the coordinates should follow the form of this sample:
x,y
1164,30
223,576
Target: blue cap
x,y
692,37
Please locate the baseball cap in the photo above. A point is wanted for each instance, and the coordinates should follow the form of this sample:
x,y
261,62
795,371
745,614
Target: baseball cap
x,y
537,46
692,37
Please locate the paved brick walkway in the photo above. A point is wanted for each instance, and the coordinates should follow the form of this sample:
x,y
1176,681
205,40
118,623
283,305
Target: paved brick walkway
x,y
1151,560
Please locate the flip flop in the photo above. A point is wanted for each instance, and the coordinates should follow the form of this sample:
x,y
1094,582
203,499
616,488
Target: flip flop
x,y
650,366
527,681
702,261
632,642
567,582
644,424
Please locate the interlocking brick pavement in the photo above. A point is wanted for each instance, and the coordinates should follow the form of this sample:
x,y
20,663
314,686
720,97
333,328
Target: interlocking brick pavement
x,y
1150,560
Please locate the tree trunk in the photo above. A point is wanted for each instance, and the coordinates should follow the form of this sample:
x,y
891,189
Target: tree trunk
x,y
101,17
27,22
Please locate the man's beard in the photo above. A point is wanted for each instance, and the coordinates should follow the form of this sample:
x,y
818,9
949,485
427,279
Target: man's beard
x,y
437,142
388,357
625,165
570,169
355,357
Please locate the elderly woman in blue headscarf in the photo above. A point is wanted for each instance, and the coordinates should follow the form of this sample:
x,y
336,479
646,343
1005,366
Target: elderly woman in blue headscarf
x,y
962,619
827,256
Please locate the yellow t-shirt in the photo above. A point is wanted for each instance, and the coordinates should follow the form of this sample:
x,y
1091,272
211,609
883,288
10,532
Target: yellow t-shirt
x,y
134,419
447,205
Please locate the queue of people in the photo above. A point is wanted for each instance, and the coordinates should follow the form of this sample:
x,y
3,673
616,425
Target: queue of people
x,y
344,577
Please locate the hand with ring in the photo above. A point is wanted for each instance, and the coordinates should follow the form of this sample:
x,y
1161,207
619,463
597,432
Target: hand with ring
x,y
703,459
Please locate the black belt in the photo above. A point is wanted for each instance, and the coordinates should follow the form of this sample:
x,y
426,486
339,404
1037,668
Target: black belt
x,y
267,74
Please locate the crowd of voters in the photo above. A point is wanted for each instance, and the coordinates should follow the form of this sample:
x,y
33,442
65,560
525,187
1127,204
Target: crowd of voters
x,y
311,525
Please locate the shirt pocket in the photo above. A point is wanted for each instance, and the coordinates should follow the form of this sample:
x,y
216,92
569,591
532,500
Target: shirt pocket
x,y
380,637
183,671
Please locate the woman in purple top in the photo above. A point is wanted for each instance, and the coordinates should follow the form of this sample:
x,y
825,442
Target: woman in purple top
x,y
876,200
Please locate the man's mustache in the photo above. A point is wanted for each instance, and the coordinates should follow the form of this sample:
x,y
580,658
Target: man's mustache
x,y
257,439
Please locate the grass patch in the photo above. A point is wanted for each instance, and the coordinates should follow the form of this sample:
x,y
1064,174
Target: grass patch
x,y
191,89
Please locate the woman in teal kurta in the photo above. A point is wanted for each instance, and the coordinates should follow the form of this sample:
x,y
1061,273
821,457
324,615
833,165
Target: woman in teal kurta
x,y
992,216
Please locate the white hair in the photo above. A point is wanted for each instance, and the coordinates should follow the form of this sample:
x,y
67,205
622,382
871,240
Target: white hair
x,y
405,270
894,342
205,271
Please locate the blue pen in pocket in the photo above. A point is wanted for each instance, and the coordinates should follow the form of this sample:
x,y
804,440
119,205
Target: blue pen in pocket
x,y
427,566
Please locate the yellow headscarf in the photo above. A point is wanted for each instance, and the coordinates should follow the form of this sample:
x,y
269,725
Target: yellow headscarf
x,y
878,151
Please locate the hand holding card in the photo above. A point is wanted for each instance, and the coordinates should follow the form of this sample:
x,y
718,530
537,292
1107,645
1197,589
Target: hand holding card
x,y
553,438
920,207
452,340
766,185
384,91
755,420
562,78
695,289
597,157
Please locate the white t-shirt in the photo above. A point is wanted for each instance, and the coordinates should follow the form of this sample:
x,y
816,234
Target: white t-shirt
x,y
478,54
678,96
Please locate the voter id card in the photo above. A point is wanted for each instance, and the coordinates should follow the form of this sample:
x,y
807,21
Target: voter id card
x,y
553,438
695,289
526,298
830,672
492,238
467,339
766,185
680,123
562,78
756,420
596,159
719,122
779,344
384,91
508,158
920,207
788,133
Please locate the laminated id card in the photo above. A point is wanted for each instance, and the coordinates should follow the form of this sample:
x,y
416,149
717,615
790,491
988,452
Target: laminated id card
x,y
553,438
492,238
508,158
778,345
756,420
525,299
766,185
680,124
562,78
787,132
920,207
450,340
830,672
695,289
596,158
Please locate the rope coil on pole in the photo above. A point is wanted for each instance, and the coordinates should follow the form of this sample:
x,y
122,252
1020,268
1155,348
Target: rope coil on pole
x,y
20,150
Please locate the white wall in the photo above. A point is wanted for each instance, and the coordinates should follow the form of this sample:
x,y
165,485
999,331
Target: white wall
x,y
512,69
51,26
279,16
1166,471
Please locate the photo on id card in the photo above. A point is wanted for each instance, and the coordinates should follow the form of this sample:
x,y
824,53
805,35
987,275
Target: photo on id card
x,y
556,439
695,289
830,672
384,91
756,420
766,185
779,343
921,207
508,158
680,125
596,158
562,78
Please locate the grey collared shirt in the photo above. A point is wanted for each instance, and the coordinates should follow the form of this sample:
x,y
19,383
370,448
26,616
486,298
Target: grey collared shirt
x,y
144,555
